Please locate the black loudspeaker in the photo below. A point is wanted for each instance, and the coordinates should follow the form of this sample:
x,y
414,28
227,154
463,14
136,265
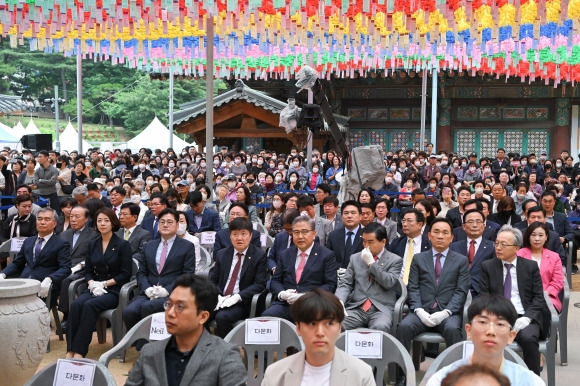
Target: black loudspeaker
x,y
37,142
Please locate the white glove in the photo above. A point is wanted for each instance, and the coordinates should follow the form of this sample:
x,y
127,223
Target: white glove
x,y
284,295
96,284
344,309
367,256
293,298
160,292
340,273
522,323
304,213
438,317
150,292
230,301
76,268
425,317
44,287
99,291
220,301
2,276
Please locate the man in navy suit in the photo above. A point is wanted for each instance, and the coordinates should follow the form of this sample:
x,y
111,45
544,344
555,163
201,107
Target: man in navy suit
x,y
475,247
44,257
283,240
558,220
154,278
455,215
438,285
489,228
500,164
202,219
412,241
239,273
302,267
346,240
222,238
130,231
151,224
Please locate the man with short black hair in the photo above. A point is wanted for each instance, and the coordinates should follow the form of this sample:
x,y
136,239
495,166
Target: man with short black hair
x,y
323,190
191,356
489,343
558,220
330,206
116,197
239,273
130,231
323,226
151,223
201,218
23,189
455,215
346,241
46,176
222,238
318,315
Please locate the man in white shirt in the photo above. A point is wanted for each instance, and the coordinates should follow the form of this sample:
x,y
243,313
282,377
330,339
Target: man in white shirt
x,y
490,327
318,315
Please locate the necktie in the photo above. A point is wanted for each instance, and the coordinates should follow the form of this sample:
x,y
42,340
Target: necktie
x,y
127,234
368,303
38,247
471,253
437,267
507,284
300,267
348,246
163,256
155,228
234,279
408,260
76,235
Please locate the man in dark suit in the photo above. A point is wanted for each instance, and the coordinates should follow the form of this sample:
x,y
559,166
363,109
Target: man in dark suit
x,y
500,164
202,219
95,192
323,226
78,236
508,272
489,229
438,285
283,240
302,267
475,247
130,231
44,257
412,241
164,260
151,224
367,290
558,220
455,215
346,241
222,238
537,213
191,356
239,273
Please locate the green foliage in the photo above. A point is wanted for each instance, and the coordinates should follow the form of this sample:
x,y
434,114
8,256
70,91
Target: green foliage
x,y
70,107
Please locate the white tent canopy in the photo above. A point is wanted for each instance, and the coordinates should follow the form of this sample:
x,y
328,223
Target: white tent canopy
x,y
156,136
7,129
18,131
69,140
31,128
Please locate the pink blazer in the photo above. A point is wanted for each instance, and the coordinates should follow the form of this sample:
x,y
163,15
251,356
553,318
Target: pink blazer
x,y
551,272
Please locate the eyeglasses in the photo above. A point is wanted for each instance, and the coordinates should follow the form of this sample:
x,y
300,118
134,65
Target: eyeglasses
x,y
404,221
501,246
500,326
302,232
472,222
178,307
123,214
168,223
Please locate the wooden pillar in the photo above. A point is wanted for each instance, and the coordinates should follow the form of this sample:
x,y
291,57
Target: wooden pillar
x,y
444,140
561,132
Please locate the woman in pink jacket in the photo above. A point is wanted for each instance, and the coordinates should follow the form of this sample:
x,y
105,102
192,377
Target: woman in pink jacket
x,y
535,241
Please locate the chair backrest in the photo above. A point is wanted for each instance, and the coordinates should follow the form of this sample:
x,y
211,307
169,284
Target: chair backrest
x,y
260,227
208,247
393,352
205,258
45,377
454,353
139,331
263,355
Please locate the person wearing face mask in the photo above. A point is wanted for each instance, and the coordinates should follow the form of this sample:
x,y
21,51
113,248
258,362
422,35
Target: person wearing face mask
x,y
184,234
313,179
274,215
260,165
239,166
430,170
405,199
272,167
294,182
64,175
296,166
255,188
535,167
479,188
232,185
98,168
506,212
389,185
457,170
432,189
472,174
206,195
142,171
279,183
520,195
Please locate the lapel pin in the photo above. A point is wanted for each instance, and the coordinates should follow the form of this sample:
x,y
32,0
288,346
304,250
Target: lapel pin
x,y
315,254
249,257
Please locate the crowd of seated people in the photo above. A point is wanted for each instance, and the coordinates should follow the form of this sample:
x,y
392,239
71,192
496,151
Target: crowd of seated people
x,y
443,225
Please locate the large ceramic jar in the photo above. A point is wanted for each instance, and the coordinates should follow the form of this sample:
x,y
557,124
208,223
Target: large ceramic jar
x,y
24,330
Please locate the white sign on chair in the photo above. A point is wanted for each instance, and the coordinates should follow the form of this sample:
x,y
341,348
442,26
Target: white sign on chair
x,y
364,344
207,238
262,331
70,372
158,330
